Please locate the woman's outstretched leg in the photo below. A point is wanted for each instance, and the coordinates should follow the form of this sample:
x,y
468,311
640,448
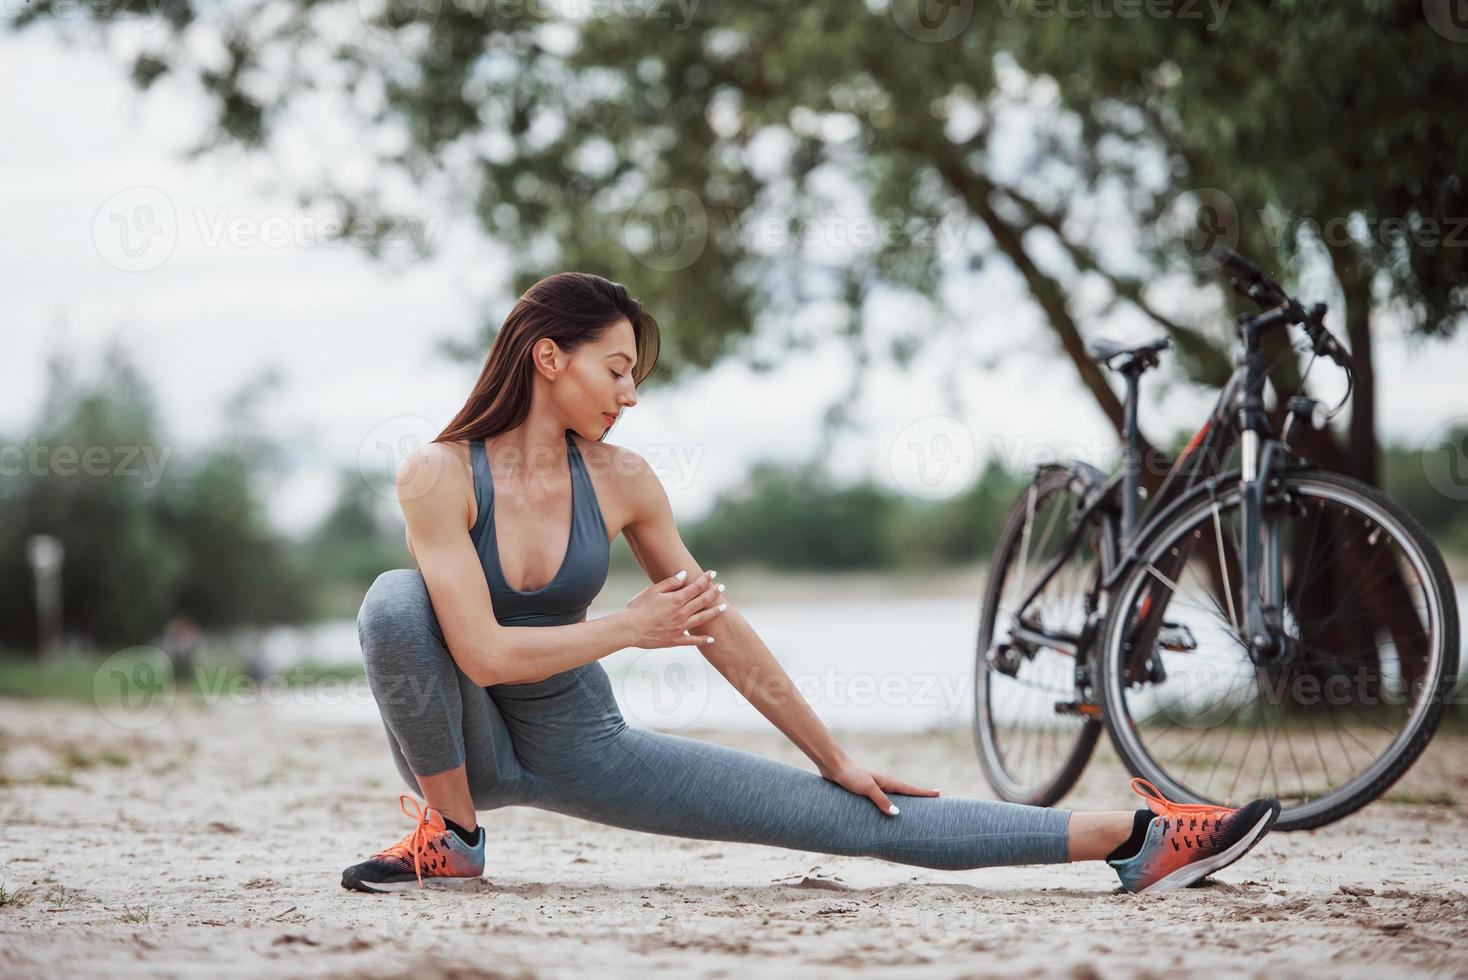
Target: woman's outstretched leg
x,y
569,732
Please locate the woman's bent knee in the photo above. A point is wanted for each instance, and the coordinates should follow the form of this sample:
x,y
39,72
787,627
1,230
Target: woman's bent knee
x,y
396,615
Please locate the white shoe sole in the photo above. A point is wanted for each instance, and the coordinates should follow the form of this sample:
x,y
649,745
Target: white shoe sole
x,y
1189,873
436,884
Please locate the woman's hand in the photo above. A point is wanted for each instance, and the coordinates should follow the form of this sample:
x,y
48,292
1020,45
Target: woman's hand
x,y
865,782
668,613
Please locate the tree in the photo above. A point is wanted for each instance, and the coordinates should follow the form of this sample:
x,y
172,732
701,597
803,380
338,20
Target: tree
x,y
147,534
649,149
657,148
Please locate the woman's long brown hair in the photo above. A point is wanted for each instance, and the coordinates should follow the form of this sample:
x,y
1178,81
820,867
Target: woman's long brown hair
x,y
570,308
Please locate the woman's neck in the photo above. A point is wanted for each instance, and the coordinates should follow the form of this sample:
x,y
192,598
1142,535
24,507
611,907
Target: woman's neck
x,y
536,443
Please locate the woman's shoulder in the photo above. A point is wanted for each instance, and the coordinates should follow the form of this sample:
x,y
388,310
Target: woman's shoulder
x,y
439,474
623,479
622,468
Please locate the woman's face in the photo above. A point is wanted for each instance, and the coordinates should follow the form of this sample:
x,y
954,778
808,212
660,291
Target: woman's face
x,y
597,383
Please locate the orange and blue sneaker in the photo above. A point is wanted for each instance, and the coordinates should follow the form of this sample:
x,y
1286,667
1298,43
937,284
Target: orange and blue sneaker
x,y
1185,842
432,855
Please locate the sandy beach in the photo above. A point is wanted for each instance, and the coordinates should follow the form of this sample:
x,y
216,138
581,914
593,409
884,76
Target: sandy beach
x,y
211,844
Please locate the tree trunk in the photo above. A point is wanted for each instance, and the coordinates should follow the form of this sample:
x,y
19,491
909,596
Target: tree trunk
x,y
1362,453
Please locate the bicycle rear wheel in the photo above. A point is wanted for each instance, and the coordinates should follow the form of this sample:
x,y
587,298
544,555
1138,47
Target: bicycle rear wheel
x,y
1031,751
1345,705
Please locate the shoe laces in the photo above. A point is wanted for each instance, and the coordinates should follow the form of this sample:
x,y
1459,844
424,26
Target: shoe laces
x,y
418,839
1197,815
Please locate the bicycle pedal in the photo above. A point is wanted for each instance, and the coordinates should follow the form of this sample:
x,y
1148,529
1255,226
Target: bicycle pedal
x,y
1086,709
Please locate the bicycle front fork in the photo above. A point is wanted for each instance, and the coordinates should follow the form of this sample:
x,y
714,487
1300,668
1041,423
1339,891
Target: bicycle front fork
x,y
1263,557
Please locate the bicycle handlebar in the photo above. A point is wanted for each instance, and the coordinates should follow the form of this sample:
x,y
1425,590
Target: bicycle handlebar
x,y
1254,283
1281,308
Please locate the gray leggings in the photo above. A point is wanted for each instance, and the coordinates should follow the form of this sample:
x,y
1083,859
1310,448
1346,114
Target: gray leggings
x,y
561,744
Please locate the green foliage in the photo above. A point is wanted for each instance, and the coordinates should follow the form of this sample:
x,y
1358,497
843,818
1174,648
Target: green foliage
x,y
147,533
1405,479
797,519
353,544
1059,133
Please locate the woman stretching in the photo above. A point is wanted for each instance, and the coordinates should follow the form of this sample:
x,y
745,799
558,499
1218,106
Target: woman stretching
x,y
487,674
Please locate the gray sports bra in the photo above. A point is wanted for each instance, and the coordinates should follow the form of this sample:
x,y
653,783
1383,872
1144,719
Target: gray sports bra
x,y
583,572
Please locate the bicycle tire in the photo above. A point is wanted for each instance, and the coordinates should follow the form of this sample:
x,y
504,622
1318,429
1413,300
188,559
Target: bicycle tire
x,y
1050,791
1401,754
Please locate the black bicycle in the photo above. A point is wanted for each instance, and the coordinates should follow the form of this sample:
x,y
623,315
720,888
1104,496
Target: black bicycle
x,y
1276,628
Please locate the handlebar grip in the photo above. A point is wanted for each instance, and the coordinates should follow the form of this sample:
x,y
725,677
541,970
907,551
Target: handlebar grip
x,y
1270,320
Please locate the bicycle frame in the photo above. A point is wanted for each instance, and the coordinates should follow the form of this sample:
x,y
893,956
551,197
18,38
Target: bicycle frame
x,y
1238,419
1119,517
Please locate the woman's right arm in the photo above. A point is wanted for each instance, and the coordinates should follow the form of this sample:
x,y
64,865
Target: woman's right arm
x,y
489,653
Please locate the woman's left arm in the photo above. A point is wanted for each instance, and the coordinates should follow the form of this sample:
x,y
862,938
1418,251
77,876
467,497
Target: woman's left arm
x,y
737,651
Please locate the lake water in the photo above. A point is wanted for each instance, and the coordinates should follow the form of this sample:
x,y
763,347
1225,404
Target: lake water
x,y
896,664
899,664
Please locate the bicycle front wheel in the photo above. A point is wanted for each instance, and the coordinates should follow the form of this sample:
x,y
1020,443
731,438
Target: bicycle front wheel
x,y
1327,717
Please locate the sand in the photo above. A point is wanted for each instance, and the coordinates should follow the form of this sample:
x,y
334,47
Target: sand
x,y
211,844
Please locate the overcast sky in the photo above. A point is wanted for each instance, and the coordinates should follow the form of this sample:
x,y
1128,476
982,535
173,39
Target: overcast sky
x,y
242,290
